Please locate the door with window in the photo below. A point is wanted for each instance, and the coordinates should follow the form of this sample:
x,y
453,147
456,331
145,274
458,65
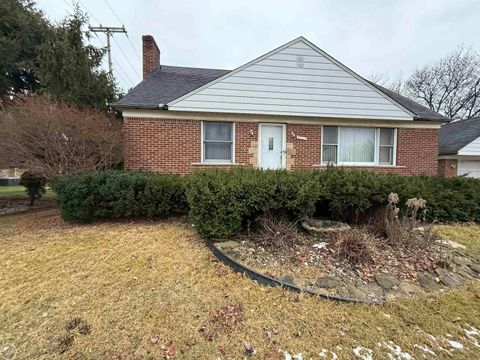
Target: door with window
x,y
272,147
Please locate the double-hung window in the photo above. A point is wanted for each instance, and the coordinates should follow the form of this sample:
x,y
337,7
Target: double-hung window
x,y
217,142
358,146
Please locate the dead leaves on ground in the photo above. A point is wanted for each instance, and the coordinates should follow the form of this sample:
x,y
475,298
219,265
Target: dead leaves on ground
x,y
221,320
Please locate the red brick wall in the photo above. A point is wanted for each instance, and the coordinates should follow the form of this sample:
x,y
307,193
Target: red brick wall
x,y
447,167
245,133
151,54
307,152
161,145
417,151
174,146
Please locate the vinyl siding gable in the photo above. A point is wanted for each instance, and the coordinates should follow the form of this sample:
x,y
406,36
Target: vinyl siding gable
x,y
471,149
296,79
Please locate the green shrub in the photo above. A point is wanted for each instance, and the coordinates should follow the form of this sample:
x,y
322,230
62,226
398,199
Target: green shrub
x,y
34,184
117,194
225,202
222,203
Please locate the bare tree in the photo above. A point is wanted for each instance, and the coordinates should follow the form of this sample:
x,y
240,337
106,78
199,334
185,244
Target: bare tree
x,y
379,78
52,139
450,86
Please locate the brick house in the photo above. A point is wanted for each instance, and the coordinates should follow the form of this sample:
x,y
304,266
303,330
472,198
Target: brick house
x,y
459,148
295,107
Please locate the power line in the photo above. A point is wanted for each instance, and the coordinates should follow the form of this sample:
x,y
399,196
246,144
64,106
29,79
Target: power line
x,y
126,57
109,31
123,75
121,22
89,13
113,11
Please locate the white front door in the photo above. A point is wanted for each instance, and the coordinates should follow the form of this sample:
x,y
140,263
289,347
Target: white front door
x,y
272,147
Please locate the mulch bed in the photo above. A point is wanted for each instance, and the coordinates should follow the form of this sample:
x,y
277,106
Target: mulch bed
x,y
309,261
18,204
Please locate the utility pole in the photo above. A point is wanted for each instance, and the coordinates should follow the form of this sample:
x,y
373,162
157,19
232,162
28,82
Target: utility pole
x,y
108,30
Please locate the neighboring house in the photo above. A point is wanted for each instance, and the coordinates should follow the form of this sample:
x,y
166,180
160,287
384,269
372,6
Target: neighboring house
x,y
295,107
9,175
459,148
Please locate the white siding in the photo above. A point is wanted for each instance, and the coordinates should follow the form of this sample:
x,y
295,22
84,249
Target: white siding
x,y
469,168
471,149
296,79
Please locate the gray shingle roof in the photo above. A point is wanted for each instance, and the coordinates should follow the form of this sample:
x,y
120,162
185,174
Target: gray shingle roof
x,y
421,112
167,83
456,135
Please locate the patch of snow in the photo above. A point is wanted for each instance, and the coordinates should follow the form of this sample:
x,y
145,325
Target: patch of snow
x,y
363,353
472,334
324,352
455,344
396,352
424,348
287,356
320,245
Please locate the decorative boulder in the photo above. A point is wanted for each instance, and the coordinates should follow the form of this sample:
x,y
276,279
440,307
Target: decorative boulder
x,y
323,228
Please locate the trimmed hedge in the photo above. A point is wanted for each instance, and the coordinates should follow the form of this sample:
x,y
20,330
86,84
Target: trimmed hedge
x,y
117,194
221,203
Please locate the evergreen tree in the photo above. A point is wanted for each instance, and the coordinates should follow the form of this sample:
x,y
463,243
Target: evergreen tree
x,y
69,69
22,30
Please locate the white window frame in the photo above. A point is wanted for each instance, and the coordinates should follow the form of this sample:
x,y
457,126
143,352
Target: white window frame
x,y
376,148
202,145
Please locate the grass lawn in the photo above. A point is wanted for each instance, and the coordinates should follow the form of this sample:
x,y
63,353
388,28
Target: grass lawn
x,y
152,290
18,190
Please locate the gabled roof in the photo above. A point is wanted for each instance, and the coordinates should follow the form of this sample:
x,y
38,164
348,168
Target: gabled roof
x,y
455,135
167,83
421,112
171,85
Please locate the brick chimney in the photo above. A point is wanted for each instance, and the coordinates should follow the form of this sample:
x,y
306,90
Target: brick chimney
x,y
151,54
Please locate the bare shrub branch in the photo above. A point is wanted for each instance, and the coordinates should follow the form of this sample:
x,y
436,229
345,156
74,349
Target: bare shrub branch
x,y
53,139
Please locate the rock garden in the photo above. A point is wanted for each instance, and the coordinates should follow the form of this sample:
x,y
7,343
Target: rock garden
x,y
388,256
340,233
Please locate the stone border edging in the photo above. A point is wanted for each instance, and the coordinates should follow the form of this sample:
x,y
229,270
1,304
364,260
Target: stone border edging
x,y
29,210
270,281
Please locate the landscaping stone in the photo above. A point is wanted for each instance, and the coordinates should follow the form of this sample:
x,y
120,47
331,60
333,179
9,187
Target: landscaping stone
x,y
466,272
322,228
452,244
451,280
475,267
408,288
372,290
288,280
462,261
387,281
227,245
428,282
329,282
441,272
355,293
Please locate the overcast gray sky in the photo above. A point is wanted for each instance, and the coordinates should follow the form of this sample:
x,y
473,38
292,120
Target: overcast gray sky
x,y
369,36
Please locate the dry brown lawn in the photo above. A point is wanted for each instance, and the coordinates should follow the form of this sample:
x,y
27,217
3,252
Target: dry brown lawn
x,y
152,290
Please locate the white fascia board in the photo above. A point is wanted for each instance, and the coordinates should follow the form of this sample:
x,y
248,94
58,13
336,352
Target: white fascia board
x,y
206,116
